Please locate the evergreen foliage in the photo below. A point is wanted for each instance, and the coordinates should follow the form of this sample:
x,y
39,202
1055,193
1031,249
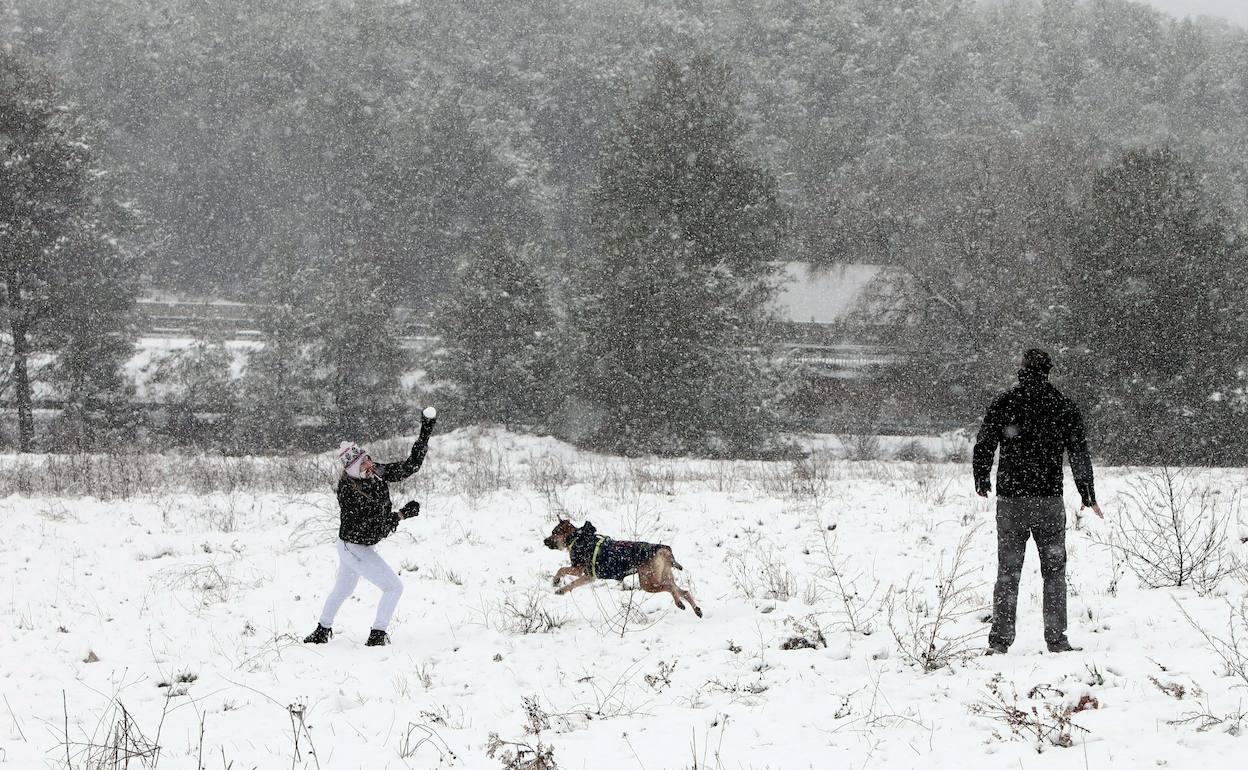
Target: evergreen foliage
x,y
194,381
67,262
357,362
667,316
496,329
276,387
1157,288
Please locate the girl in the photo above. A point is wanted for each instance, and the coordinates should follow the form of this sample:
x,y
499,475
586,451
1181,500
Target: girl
x,y
368,516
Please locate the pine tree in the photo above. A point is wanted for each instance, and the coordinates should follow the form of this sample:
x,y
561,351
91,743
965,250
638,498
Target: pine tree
x,y
66,260
277,386
667,318
358,362
437,188
197,380
496,330
1157,287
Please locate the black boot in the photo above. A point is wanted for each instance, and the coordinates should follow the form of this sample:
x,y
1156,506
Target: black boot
x,y
996,648
377,638
1063,646
320,636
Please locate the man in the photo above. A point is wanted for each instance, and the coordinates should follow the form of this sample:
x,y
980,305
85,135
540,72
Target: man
x,y
1033,424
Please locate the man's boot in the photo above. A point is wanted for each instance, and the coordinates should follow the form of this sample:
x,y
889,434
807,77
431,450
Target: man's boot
x,y
377,638
1063,646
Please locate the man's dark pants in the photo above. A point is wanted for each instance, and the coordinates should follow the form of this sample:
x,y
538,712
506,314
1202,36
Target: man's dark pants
x,y
1044,519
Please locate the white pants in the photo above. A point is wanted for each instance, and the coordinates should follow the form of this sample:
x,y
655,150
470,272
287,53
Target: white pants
x,y
356,561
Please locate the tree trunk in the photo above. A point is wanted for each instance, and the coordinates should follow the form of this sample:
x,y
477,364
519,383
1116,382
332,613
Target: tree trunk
x,y
21,374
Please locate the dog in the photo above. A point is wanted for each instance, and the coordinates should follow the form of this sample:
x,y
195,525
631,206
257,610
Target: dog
x,y
595,556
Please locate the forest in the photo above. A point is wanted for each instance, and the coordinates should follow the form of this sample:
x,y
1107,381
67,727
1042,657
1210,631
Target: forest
x,y
1053,173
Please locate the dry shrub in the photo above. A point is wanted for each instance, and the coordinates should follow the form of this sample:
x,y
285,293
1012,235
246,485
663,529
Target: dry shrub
x,y
525,613
807,634
1172,530
1043,721
928,628
1231,649
123,746
520,754
124,476
482,473
858,605
759,571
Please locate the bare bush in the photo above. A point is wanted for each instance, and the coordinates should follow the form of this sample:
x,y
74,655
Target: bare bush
x,y
864,445
913,451
525,613
482,473
661,678
1172,530
658,478
608,697
300,734
1043,721
858,606
927,627
1230,649
208,582
807,479
1204,720
124,476
418,736
550,476
760,571
620,613
124,744
317,529
1176,690
807,634
521,754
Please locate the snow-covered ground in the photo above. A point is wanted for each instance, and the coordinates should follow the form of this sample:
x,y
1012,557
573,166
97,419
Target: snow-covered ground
x,y
187,609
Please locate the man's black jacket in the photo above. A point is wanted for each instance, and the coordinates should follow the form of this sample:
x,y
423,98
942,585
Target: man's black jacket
x,y
368,516
1033,423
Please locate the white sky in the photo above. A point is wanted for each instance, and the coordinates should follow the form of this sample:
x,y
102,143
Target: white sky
x,y
1235,10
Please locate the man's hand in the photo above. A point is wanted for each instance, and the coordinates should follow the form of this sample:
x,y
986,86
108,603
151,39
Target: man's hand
x,y
981,492
410,509
1095,509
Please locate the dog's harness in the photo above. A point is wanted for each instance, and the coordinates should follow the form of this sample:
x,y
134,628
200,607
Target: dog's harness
x,y
593,560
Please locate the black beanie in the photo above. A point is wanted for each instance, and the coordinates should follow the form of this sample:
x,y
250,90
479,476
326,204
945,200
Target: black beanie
x,y
1037,360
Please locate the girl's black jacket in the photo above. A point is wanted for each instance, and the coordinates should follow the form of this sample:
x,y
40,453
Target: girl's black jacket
x,y
368,516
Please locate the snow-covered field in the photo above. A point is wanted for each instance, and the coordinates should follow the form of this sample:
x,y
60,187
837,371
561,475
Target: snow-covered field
x,y
187,609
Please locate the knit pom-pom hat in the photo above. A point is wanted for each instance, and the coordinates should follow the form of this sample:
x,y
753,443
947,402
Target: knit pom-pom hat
x,y
351,458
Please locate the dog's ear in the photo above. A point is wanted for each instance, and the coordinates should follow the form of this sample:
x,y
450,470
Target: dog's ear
x,y
564,517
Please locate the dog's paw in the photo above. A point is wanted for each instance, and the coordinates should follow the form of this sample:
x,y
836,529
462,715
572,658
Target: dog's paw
x,y
697,611
561,591
554,582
